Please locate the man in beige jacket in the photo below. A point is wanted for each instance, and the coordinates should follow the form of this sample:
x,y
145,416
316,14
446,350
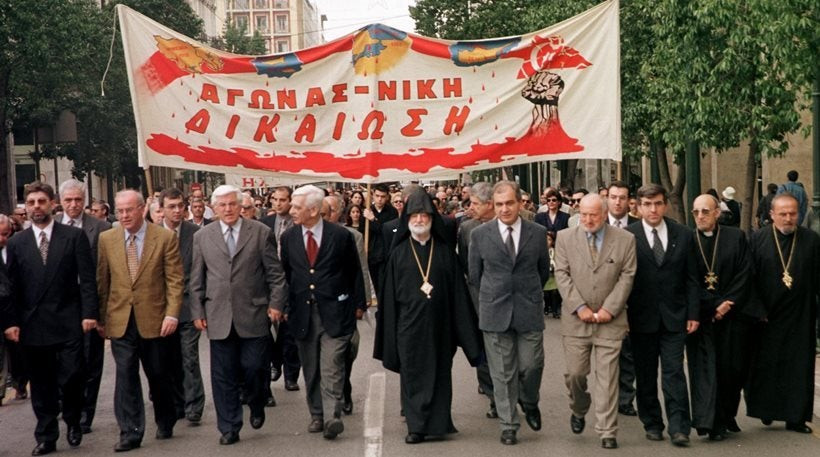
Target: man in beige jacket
x,y
594,267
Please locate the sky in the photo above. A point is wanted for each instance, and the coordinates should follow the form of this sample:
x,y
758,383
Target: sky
x,y
345,16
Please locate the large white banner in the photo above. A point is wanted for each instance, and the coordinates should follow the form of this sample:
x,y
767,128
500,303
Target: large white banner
x,y
379,104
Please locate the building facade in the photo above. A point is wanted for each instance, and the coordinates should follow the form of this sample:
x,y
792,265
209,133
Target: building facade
x,y
286,25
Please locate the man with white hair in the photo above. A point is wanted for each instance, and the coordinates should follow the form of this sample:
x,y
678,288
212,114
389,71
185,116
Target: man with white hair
x,y
236,285
594,267
72,199
325,289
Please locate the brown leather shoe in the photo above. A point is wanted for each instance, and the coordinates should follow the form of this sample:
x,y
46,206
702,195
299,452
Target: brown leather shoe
x,y
316,425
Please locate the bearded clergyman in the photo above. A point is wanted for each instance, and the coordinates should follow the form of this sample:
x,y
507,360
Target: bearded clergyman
x,y
426,314
786,259
718,352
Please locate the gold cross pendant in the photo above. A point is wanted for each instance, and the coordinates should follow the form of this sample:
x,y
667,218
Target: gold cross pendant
x,y
711,280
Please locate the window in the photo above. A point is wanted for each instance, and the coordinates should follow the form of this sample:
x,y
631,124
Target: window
x,y
282,46
240,21
280,4
260,4
240,4
282,23
262,24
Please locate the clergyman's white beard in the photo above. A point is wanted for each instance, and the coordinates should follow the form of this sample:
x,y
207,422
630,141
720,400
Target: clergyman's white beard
x,y
420,231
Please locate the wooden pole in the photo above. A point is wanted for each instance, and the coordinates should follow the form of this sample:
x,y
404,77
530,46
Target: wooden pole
x,y
149,184
366,221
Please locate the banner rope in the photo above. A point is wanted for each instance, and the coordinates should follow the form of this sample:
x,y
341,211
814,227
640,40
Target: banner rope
x,y
110,55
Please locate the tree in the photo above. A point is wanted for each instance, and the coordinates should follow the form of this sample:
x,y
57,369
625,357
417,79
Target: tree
x,y
46,63
236,41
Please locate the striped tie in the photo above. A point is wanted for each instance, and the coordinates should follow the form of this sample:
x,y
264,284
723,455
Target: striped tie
x,y
43,246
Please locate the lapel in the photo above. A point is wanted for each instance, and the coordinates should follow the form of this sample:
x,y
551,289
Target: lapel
x,y
216,237
606,247
641,243
34,254
56,247
526,236
327,243
244,235
148,248
583,246
672,240
89,228
495,236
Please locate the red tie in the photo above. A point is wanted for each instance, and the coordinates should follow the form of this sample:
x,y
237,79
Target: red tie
x,y
312,248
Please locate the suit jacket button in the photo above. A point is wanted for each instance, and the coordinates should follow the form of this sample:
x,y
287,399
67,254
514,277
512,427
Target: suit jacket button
x,y
312,271
307,301
312,287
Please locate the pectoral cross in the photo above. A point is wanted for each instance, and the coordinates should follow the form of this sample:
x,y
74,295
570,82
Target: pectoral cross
x,y
426,288
787,280
711,280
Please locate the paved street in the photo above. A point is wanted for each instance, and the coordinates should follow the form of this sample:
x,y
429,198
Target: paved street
x,y
376,428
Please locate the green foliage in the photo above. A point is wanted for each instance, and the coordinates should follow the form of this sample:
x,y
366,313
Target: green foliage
x,y
236,40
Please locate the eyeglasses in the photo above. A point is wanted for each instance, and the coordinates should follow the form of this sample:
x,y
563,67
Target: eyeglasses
x,y
246,207
525,200
552,199
19,214
575,200
705,211
398,202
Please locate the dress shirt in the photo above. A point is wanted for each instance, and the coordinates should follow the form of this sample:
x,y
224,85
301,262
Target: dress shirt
x,y
624,220
599,238
317,233
140,240
48,228
516,233
176,229
236,226
4,255
77,222
662,233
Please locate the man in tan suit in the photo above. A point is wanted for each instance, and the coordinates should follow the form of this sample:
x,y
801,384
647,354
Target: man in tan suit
x,y
140,284
594,267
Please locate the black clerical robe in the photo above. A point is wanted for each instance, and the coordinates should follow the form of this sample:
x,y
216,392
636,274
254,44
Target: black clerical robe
x,y
420,335
717,354
781,385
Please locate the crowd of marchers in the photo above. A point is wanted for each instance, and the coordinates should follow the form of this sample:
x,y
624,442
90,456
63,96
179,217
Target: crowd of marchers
x,y
277,281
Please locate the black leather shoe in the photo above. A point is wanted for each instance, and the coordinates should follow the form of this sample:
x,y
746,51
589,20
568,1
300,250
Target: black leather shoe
x,y
492,413
414,438
271,402
333,428
609,443
228,438
46,447
680,439
577,424
126,445
716,436
85,428
508,437
766,422
732,426
654,435
194,418
257,421
627,410
798,427
164,433
291,385
533,417
275,374
74,436
316,425
347,408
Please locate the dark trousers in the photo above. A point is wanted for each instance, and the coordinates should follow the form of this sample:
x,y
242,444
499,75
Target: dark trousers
x,y
17,365
667,347
129,350
552,302
285,353
94,354
626,378
733,343
189,393
350,357
55,369
235,360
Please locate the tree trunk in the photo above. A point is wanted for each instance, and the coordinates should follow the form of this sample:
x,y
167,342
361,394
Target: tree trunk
x,y
8,182
676,207
750,179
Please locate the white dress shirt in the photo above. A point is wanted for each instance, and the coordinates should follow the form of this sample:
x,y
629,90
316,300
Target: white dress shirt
x,y
317,233
236,226
48,229
516,233
662,233
624,220
77,222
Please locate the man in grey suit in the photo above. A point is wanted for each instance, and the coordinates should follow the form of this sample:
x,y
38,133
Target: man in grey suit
x,y
236,284
594,267
190,393
510,263
72,199
481,206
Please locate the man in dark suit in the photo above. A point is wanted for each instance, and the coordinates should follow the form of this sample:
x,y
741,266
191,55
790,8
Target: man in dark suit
x,y
236,285
381,210
54,302
140,283
325,289
284,353
663,309
198,212
189,392
618,216
72,199
509,262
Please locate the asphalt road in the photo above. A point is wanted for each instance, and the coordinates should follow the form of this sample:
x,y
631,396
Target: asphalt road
x,y
376,427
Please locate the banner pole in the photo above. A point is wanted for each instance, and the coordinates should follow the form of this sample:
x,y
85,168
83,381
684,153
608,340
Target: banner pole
x,y
366,221
149,184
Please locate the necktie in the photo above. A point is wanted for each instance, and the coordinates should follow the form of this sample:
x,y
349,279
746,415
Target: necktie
x,y
131,257
593,248
618,223
510,243
657,247
71,222
312,248
43,246
231,242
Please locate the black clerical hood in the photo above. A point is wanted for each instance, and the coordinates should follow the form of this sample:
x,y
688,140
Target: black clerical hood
x,y
419,202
